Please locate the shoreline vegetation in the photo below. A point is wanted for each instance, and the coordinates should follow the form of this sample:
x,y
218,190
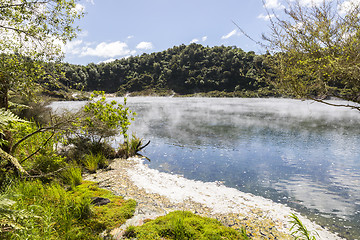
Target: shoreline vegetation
x,y
42,156
158,194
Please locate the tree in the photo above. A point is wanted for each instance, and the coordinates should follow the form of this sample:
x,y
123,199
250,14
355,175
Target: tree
x,y
31,30
316,50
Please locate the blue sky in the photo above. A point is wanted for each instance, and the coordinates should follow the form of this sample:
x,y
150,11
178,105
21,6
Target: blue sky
x,y
113,29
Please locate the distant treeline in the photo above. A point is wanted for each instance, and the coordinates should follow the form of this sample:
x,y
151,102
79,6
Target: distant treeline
x,y
182,69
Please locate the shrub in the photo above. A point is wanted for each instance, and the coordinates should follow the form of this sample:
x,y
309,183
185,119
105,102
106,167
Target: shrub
x,y
92,162
81,146
131,147
71,175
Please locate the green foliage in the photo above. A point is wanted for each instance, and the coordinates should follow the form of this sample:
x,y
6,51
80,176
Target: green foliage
x,y
92,162
32,26
178,70
71,175
57,214
32,31
316,50
298,230
104,119
7,117
9,216
40,146
109,216
54,213
183,225
79,147
130,147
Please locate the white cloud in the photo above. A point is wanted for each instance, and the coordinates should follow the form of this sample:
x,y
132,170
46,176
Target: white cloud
x,y
108,60
145,46
195,40
72,47
273,4
310,2
130,37
79,8
90,1
108,50
347,5
265,17
230,34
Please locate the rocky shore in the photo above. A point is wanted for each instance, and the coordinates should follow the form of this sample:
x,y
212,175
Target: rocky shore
x,y
159,193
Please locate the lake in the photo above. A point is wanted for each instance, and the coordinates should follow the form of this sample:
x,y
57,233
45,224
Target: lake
x,y
299,153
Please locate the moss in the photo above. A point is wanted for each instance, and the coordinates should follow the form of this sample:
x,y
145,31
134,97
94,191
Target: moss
x,y
51,212
108,216
183,225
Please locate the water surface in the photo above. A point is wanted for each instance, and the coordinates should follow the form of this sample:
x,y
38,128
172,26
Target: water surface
x,y
299,153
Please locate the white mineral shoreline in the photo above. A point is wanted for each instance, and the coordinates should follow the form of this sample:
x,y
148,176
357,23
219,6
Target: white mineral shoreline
x,y
219,198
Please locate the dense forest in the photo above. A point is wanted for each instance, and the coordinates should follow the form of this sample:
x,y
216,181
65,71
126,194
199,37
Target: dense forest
x,y
184,69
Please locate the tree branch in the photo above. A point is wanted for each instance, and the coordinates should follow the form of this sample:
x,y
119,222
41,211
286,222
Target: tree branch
x,y
47,140
43,129
4,155
336,105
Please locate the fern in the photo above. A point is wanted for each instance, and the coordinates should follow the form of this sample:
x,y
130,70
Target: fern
x,y
8,216
7,117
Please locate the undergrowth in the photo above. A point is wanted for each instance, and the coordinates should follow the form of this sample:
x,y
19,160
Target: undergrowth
x,y
48,211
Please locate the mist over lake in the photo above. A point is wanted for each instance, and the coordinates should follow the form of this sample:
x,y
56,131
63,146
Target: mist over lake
x,y
299,153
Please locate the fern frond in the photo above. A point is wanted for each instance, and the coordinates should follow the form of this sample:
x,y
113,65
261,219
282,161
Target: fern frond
x,y
6,117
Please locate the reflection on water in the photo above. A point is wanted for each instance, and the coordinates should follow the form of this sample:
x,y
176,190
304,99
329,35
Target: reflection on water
x,y
299,153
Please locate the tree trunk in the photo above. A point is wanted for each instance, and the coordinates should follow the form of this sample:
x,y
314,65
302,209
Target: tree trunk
x,y
14,162
4,90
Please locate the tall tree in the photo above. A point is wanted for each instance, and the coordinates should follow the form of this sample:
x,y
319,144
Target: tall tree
x,y
315,49
31,31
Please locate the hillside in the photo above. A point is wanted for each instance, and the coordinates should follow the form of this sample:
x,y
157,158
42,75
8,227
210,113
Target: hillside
x,y
182,70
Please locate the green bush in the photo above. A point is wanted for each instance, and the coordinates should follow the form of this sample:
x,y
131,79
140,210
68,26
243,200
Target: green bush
x,y
130,147
54,213
48,211
183,225
71,175
92,162
82,146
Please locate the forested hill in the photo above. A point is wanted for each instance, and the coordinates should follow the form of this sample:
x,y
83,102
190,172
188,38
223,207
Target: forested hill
x,y
182,69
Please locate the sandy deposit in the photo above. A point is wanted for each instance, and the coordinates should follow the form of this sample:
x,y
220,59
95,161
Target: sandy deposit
x,y
158,193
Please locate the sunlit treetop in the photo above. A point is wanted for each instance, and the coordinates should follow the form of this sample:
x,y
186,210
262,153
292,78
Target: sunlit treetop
x,y
37,28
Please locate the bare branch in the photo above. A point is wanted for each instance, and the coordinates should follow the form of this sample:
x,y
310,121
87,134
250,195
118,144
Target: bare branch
x,y
40,148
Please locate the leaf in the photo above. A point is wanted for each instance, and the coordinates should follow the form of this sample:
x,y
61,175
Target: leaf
x,y
7,117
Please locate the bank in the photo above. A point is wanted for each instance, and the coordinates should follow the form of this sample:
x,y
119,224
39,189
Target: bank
x,y
158,193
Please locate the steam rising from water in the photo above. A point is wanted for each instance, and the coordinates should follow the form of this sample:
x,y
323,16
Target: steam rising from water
x,y
300,153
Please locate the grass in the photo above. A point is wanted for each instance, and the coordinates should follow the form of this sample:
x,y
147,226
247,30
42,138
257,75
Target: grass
x,y
183,225
130,147
48,211
93,162
71,175
298,229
